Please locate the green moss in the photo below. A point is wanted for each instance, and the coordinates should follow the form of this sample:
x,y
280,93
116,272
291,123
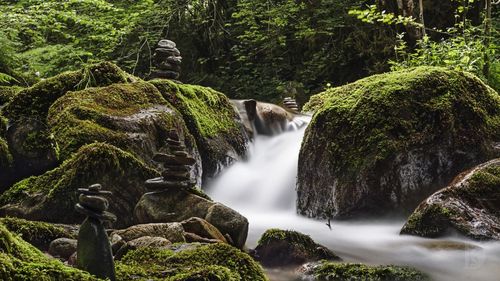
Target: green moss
x,y
52,196
484,183
8,92
377,116
209,262
5,155
22,261
39,234
344,271
90,115
210,118
431,221
291,236
34,102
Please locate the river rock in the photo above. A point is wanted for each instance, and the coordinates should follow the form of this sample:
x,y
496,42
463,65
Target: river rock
x,y
290,248
470,205
179,205
63,248
384,143
170,231
203,229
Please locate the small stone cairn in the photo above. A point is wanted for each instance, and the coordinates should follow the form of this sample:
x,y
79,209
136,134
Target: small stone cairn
x,y
177,166
94,253
291,104
166,60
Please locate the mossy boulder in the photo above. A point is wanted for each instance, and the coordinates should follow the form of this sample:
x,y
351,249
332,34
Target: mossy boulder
x,y
7,93
21,261
278,247
133,116
38,234
386,142
31,143
469,206
52,196
332,271
209,262
211,119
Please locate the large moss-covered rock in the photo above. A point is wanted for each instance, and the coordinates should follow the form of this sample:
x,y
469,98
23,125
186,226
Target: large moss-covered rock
x,y
134,117
38,234
211,119
288,248
332,271
469,206
52,196
22,261
31,142
211,262
388,141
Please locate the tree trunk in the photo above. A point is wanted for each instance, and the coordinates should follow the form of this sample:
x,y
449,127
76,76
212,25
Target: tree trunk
x,y
421,16
487,37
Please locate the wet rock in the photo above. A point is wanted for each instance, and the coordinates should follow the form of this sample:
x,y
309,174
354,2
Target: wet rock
x,y
469,206
331,271
179,205
63,248
170,231
449,246
384,143
203,229
290,248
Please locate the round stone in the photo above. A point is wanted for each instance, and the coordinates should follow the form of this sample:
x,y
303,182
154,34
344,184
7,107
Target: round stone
x,y
96,203
166,74
168,66
176,60
167,52
165,43
177,168
103,216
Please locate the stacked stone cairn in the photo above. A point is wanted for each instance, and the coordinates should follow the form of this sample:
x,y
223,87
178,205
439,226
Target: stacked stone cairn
x,y
291,104
166,60
177,167
94,253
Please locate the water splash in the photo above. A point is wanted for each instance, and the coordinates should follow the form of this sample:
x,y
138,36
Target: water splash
x,y
263,190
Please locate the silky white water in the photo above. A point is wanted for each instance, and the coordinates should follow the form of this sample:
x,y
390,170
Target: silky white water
x,y
262,188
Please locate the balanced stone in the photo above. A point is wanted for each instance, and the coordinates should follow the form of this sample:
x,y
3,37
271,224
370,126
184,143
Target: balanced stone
x,y
94,250
166,60
168,44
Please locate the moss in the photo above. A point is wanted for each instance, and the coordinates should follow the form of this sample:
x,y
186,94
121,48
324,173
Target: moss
x,y
91,115
210,118
34,102
291,236
51,196
39,234
431,221
377,116
8,92
22,261
5,156
344,271
209,262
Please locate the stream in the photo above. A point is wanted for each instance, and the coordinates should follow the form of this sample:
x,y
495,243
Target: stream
x,y
262,188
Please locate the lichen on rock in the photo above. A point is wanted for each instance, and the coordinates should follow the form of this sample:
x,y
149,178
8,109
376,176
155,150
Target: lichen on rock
x,y
384,143
469,206
211,119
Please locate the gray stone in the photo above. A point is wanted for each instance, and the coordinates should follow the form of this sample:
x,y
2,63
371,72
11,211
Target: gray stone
x,y
63,248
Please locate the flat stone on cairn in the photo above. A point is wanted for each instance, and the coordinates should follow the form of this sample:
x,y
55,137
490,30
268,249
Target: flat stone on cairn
x,y
291,104
166,60
177,166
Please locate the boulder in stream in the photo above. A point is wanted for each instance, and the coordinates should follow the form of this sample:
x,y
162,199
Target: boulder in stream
x,y
384,143
290,248
470,205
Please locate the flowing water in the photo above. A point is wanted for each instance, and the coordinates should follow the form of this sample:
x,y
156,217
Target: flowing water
x,y
262,188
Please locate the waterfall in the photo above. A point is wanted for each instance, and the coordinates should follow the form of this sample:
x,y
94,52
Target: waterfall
x,y
262,188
